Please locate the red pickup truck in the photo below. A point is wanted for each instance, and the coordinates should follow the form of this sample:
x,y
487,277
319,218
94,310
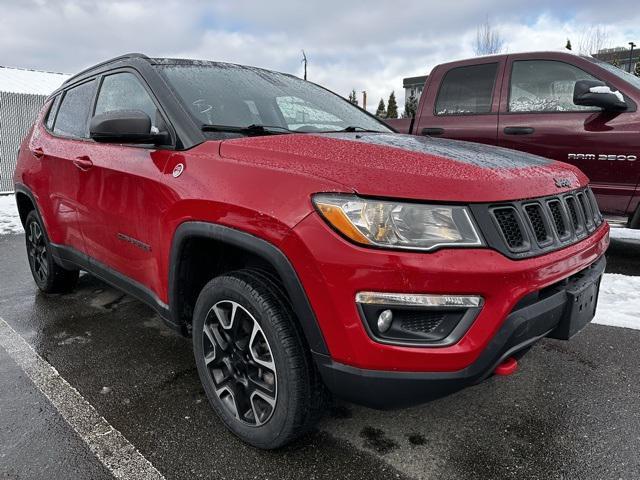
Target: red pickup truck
x,y
559,105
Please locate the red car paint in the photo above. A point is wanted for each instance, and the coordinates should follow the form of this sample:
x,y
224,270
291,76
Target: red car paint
x,y
556,135
263,186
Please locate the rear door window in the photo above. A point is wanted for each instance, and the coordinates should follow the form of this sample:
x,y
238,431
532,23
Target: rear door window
x,y
72,119
545,86
467,90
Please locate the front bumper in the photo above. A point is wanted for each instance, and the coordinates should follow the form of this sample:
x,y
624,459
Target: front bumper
x,y
333,271
540,314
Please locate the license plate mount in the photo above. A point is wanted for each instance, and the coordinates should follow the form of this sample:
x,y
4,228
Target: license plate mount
x,y
582,300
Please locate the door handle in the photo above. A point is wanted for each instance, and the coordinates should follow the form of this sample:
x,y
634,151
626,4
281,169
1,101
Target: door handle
x,y
84,163
519,130
432,131
37,152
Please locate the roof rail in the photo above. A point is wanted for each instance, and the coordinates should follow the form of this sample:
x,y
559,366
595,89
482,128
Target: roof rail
x,y
106,62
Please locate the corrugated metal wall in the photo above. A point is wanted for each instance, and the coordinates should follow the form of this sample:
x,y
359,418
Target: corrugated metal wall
x,y
17,113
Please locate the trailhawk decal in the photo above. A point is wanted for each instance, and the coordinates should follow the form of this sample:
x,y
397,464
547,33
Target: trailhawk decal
x,y
477,154
134,241
601,156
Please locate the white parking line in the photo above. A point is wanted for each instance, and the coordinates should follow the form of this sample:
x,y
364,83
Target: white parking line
x,y
111,448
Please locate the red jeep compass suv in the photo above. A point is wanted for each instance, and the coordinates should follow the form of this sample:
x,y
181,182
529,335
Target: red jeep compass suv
x,y
300,242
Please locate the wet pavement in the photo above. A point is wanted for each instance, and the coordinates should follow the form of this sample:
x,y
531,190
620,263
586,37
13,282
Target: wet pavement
x,y
571,411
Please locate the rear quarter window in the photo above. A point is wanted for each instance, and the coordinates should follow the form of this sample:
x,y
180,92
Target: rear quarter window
x,y
53,109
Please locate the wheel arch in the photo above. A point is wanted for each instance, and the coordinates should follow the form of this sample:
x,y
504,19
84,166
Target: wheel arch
x,y
25,202
246,245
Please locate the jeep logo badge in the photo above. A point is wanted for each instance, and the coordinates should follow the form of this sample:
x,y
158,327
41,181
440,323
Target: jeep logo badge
x,y
562,182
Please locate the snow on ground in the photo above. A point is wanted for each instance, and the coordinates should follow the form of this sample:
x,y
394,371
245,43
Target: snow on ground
x,y
9,219
624,234
619,302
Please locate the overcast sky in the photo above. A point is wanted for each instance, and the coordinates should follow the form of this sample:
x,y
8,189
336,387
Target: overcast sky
x,y
365,45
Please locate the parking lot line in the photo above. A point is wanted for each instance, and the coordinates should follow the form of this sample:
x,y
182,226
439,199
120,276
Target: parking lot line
x,y
110,447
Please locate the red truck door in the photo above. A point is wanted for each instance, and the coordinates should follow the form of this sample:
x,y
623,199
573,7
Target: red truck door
x,y
462,101
537,115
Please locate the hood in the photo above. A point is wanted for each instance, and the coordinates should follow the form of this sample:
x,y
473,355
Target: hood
x,y
406,166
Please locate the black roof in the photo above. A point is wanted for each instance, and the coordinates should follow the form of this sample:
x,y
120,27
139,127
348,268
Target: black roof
x,y
105,63
129,58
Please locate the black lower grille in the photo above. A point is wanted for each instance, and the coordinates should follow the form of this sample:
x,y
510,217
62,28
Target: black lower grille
x,y
533,227
419,321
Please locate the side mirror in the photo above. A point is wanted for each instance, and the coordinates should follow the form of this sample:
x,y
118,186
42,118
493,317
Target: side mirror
x,y
124,126
593,93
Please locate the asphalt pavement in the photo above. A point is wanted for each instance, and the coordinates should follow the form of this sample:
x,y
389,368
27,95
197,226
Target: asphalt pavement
x,y
571,411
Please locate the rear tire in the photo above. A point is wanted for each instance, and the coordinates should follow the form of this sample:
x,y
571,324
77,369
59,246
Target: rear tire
x,y
48,275
253,363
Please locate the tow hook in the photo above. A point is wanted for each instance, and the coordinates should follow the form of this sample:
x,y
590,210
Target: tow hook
x,y
507,367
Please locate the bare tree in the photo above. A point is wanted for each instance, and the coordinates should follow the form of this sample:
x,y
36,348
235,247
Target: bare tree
x,y
488,39
593,39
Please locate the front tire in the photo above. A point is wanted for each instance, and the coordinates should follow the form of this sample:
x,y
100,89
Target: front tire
x,y
252,361
48,275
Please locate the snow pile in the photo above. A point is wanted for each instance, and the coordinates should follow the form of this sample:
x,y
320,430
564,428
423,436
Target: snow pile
x,y
619,301
605,89
21,80
9,218
624,234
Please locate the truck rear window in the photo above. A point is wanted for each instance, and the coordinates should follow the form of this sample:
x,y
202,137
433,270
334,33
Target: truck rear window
x,y
467,90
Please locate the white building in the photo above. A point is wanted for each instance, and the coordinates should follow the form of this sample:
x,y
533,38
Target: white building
x,y
413,86
22,93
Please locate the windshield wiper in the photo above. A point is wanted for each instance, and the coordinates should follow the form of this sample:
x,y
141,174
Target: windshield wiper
x,y
355,128
249,129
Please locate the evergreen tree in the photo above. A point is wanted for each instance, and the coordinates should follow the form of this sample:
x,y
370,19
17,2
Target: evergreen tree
x,y
392,106
353,98
568,45
381,111
410,107
637,70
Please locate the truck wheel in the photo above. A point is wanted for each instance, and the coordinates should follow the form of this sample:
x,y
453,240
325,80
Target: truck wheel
x,y
252,361
48,275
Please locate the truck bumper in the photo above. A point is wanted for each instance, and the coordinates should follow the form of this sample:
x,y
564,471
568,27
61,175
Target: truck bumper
x,y
559,311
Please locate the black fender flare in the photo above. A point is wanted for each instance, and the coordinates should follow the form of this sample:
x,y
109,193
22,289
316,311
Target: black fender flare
x,y
23,189
270,253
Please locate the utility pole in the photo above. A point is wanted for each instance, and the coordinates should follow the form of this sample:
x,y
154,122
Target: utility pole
x,y
630,56
364,99
304,60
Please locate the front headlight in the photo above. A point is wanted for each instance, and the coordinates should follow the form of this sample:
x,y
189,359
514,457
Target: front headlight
x,y
390,224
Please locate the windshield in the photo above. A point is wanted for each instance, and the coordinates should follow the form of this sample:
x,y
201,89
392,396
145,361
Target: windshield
x,y
239,96
627,77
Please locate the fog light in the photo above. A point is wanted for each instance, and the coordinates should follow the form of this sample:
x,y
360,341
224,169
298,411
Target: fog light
x,y
384,320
